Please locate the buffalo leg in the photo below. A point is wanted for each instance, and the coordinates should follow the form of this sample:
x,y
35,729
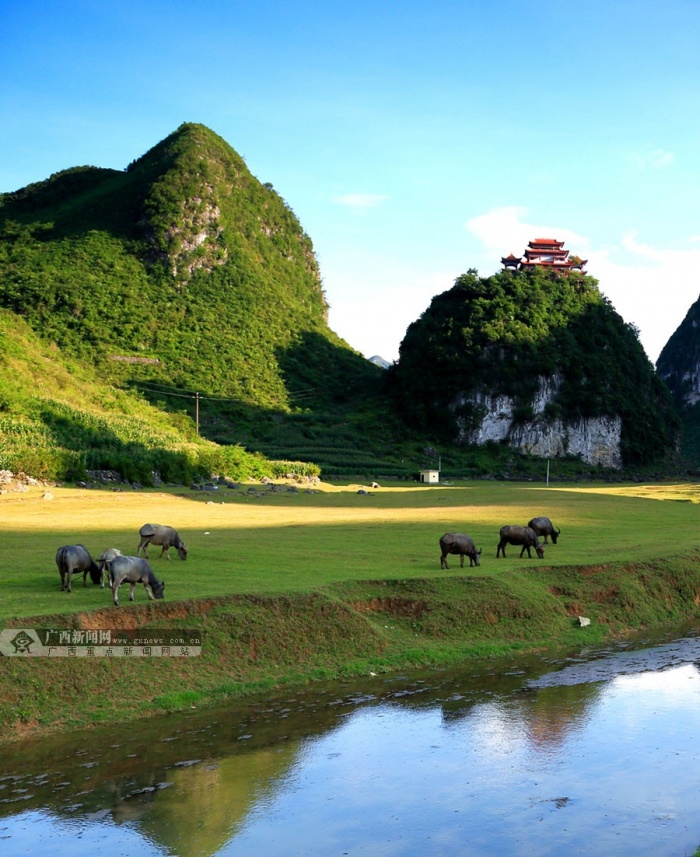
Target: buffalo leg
x,y
132,586
443,561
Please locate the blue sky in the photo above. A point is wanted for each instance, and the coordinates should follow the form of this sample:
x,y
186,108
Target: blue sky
x,y
414,140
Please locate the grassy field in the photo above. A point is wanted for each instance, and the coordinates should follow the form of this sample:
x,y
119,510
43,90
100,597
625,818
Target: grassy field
x,y
277,542
290,587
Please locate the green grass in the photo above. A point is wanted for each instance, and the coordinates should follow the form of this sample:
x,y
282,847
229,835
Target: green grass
x,y
271,542
292,587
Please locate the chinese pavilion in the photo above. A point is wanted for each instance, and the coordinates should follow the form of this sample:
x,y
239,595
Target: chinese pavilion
x,y
546,252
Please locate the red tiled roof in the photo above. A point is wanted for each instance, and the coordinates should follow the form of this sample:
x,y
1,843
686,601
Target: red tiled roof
x,y
547,252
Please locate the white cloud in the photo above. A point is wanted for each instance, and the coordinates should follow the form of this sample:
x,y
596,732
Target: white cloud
x,y
650,287
656,159
503,231
360,200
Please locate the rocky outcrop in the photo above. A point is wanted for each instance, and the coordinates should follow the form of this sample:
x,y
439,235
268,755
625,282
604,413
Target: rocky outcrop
x,y
681,373
691,382
595,440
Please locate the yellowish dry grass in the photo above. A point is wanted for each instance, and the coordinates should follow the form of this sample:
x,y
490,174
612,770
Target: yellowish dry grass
x,y
688,491
96,511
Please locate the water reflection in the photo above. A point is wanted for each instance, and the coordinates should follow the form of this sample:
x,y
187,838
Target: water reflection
x,y
591,755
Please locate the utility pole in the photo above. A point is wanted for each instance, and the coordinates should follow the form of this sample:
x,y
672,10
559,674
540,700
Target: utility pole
x,y
196,410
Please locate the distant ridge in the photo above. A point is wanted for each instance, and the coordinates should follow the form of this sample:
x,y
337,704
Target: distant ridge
x,y
380,361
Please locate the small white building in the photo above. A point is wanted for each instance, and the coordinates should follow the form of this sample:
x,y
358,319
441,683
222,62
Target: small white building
x,y
431,476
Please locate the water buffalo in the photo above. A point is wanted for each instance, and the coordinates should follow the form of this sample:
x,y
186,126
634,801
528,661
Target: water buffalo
x,y
544,527
458,543
133,570
102,561
74,559
157,534
525,536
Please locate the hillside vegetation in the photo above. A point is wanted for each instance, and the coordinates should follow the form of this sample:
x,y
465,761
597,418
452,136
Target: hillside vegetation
x,y
58,419
501,335
182,274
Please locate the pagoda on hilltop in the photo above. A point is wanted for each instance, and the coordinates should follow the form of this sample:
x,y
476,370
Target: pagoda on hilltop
x,y
547,252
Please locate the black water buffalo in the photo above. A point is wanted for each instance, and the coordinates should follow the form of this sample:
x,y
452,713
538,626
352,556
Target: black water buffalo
x,y
133,570
525,536
544,527
157,534
458,543
102,561
72,559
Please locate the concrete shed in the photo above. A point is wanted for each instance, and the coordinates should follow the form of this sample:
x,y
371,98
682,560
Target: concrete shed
x,y
430,476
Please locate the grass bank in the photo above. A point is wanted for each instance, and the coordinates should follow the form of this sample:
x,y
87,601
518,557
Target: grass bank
x,y
291,587
254,642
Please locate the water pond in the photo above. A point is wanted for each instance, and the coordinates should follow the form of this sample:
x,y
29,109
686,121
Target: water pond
x,y
594,754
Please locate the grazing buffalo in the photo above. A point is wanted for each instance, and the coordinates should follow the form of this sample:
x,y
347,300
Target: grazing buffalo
x,y
157,534
458,543
525,536
544,527
133,570
72,559
102,561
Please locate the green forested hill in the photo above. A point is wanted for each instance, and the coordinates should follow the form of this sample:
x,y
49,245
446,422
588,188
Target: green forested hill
x,y
679,366
501,335
679,361
180,273
183,270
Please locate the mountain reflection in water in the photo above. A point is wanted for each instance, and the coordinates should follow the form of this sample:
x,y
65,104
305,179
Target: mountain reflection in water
x,y
589,755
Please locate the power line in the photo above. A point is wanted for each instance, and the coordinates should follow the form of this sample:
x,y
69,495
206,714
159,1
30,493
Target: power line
x,y
298,394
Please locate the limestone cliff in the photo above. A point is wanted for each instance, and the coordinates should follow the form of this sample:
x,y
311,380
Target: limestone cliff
x,y
595,440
